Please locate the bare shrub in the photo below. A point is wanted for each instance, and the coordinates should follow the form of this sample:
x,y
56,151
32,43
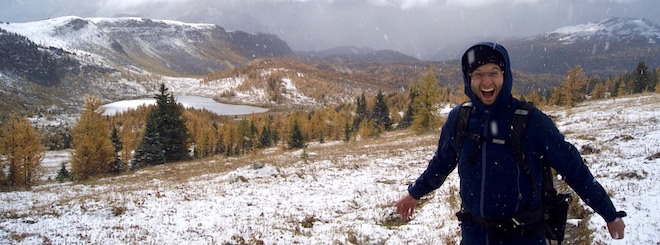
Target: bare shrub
x,y
118,211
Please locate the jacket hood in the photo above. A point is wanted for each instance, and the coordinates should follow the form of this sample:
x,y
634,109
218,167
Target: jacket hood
x,y
487,51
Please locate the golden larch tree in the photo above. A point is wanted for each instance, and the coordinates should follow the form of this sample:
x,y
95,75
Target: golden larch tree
x,y
572,89
23,151
93,150
426,103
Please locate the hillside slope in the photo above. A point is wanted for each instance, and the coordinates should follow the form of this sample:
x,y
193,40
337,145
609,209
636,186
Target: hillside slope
x,y
330,193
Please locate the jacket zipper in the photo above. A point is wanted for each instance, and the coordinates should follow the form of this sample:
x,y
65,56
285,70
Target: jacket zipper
x,y
483,164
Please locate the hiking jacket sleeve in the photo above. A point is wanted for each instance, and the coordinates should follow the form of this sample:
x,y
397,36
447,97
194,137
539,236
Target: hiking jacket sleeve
x,y
441,164
568,162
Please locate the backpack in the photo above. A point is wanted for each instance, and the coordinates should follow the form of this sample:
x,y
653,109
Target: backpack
x,y
554,206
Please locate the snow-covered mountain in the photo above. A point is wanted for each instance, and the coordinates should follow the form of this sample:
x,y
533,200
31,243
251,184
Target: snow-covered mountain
x,y
609,30
52,64
610,46
119,58
157,46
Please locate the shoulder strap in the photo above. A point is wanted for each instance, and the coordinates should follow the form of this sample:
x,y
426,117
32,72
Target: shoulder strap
x,y
518,125
461,126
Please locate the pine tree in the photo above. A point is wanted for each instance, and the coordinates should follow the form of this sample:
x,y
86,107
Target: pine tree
x,y
23,153
381,113
166,136
93,150
174,130
63,174
150,151
117,166
296,139
347,132
265,138
408,116
360,111
641,78
425,103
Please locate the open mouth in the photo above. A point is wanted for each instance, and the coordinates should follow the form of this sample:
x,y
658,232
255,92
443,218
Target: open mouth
x,y
488,93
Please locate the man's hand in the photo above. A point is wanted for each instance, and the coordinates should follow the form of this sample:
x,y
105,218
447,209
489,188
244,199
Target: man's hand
x,y
616,228
406,206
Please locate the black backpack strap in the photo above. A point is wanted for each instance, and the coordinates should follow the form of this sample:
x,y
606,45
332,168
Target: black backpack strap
x,y
461,126
518,126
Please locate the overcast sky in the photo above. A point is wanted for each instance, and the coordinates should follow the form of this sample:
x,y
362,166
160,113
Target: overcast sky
x,y
415,27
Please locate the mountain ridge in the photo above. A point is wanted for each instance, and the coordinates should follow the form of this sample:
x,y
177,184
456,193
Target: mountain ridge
x,y
610,46
128,57
162,46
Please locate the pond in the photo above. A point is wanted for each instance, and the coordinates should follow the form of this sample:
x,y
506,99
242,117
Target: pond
x,y
187,101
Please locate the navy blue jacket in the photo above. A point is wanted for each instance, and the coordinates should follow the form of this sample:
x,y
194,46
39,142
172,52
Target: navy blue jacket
x,y
491,180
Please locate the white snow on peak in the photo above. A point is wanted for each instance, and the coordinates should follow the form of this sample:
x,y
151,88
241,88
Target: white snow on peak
x,y
609,29
74,33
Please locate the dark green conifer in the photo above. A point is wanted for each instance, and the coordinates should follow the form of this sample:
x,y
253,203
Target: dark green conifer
x,y
381,113
166,136
117,166
296,139
63,174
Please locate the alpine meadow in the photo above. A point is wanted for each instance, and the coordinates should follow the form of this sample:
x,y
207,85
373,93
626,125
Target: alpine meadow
x,y
327,142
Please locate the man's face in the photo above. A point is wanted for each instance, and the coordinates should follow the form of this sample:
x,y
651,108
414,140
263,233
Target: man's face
x,y
486,82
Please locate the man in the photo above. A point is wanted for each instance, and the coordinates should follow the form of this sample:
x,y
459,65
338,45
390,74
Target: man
x,y
492,184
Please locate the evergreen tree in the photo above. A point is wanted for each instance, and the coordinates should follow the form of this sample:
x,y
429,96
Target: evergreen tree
x,y
166,136
275,136
641,78
360,111
93,150
347,132
296,139
117,166
150,151
23,153
381,113
174,130
407,118
63,174
265,138
425,119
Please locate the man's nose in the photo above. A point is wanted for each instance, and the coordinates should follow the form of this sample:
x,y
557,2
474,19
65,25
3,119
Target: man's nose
x,y
487,80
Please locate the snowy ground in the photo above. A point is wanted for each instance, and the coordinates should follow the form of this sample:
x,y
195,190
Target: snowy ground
x,y
332,193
